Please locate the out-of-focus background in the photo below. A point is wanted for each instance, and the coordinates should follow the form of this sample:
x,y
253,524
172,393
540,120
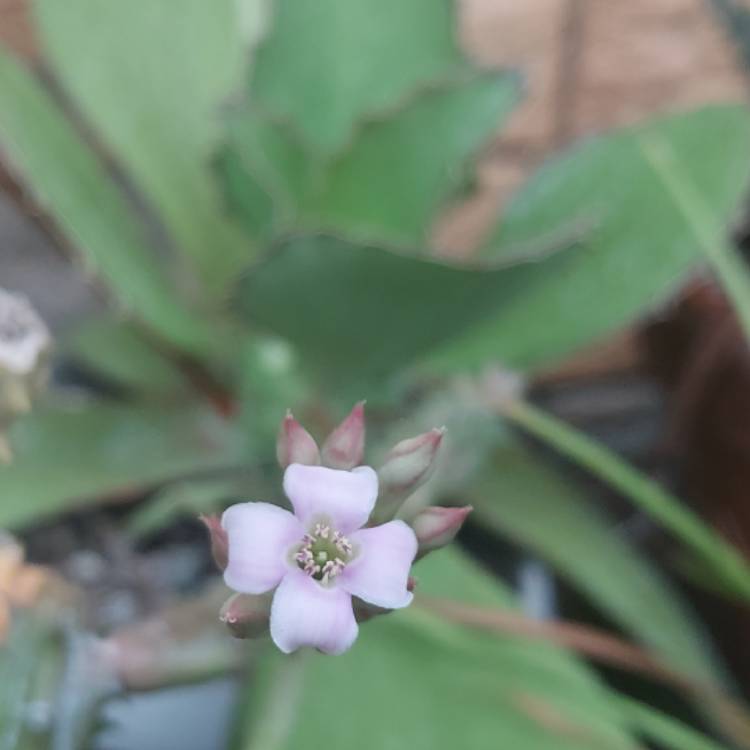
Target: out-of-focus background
x,y
526,221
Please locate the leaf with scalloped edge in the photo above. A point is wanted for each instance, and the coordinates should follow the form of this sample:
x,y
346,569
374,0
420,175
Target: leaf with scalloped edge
x,y
636,246
386,186
389,185
362,312
327,64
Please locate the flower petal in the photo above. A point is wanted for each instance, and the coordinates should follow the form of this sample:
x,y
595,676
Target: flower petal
x,y
260,535
346,497
304,613
380,571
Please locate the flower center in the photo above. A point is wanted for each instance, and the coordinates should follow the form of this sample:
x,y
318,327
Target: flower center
x,y
324,553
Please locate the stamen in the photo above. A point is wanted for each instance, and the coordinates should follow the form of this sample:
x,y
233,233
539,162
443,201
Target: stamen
x,y
323,553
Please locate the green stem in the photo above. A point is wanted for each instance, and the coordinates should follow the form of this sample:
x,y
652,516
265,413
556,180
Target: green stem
x,y
272,697
711,236
648,495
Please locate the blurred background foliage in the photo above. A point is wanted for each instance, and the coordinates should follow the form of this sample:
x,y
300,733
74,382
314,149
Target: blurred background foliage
x,y
254,189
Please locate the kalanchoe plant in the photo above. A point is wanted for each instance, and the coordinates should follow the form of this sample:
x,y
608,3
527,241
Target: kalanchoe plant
x,y
312,575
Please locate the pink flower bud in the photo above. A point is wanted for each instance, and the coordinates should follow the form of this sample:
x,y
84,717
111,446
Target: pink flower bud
x,y
219,541
247,615
345,446
407,466
410,462
295,445
435,526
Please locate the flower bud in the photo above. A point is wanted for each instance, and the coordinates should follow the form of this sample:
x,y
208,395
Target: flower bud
x,y
410,463
219,541
406,467
295,445
435,526
247,615
24,346
345,446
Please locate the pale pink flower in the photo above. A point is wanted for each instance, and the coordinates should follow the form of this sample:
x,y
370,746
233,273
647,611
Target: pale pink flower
x,y
320,556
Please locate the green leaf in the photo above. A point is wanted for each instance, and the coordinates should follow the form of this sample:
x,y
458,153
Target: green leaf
x,y
23,649
414,681
267,173
523,498
663,729
357,311
637,245
71,185
245,198
117,350
386,186
721,557
727,261
384,153
163,70
399,170
65,457
270,379
188,498
326,64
